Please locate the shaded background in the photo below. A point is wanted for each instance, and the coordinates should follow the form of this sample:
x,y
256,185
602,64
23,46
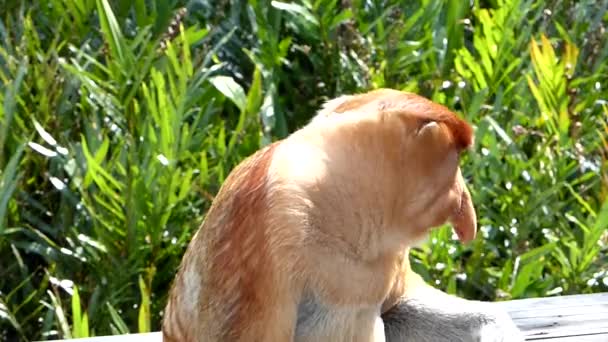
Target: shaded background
x,y
119,121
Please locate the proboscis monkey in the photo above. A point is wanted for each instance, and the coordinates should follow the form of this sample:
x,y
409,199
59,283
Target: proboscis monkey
x,y
308,238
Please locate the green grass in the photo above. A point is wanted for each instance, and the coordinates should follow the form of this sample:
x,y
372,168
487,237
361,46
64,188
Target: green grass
x,y
120,120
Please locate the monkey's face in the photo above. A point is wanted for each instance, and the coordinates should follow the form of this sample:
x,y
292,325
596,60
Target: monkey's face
x,y
432,189
414,146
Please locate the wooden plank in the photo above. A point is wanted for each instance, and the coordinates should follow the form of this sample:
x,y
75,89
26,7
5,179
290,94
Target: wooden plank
x,y
565,318
560,331
555,302
588,310
560,322
589,338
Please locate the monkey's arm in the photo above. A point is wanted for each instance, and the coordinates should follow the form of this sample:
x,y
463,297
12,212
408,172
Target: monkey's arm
x,y
426,314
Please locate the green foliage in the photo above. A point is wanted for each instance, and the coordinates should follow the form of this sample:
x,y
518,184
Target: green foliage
x,y
120,120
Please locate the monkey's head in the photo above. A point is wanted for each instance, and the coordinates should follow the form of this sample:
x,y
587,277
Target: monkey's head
x,y
419,154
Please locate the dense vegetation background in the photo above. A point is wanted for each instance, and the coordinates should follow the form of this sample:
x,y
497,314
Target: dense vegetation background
x,y
119,120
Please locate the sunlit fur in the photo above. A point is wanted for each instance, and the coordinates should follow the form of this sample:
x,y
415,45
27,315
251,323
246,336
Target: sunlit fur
x,y
314,230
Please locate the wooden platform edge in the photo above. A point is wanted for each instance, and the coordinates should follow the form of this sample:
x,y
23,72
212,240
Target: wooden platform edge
x,y
548,319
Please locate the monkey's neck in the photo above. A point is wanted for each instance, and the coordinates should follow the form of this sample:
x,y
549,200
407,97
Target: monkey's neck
x,y
341,256
346,187
360,234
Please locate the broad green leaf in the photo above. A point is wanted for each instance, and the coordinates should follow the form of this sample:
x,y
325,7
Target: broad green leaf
x,y
343,16
232,90
296,10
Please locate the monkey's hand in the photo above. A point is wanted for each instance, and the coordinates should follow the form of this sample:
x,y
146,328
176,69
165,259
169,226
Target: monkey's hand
x,y
432,315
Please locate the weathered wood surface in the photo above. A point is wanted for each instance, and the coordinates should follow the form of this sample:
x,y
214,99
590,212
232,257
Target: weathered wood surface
x,y
564,319
574,318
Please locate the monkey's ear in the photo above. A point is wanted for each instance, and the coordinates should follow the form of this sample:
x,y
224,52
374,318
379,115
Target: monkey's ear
x,y
452,131
432,136
428,128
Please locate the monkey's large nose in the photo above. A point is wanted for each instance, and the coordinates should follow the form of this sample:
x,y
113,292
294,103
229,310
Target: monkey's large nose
x,y
464,219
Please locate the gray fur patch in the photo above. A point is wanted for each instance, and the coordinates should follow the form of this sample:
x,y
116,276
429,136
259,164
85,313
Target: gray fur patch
x,y
311,314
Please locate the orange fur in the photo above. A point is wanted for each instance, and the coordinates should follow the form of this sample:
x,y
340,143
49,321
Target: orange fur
x,y
414,105
329,213
239,249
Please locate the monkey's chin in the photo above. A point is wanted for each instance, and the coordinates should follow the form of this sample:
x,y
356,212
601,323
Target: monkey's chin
x,y
420,239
